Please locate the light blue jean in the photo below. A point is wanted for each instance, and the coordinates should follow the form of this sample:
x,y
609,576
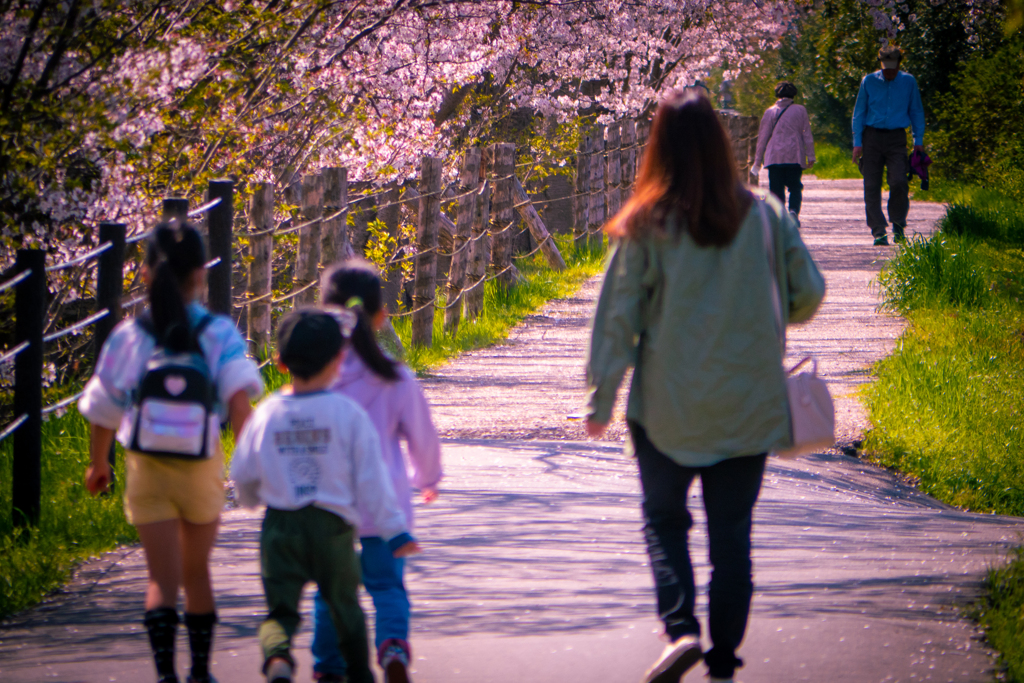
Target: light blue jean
x,y
382,576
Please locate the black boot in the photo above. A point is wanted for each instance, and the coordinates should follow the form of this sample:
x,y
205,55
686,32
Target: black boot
x,y
200,638
162,624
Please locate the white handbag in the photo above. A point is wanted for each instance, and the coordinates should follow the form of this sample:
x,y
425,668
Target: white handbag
x,y
812,414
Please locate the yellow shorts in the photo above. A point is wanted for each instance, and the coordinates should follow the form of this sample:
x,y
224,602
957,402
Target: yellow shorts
x,y
160,489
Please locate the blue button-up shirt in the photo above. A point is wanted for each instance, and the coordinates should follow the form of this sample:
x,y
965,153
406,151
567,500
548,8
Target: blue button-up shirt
x,y
888,104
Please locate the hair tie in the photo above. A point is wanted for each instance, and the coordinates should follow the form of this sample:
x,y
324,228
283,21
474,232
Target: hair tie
x,y
346,319
354,302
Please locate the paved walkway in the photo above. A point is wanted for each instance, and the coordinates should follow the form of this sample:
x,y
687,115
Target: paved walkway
x,y
534,567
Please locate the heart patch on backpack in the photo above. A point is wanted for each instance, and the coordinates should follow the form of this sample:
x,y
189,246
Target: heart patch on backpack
x,y
175,384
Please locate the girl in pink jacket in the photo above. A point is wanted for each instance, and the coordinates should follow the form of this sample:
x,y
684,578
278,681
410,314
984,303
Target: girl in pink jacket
x,y
389,393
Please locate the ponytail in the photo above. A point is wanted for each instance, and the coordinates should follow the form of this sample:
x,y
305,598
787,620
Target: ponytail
x,y
175,252
356,286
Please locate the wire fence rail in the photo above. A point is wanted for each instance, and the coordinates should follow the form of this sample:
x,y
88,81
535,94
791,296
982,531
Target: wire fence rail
x,y
451,259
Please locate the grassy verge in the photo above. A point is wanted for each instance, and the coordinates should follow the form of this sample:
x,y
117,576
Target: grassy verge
x,y
947,403
1001,613
74,526
832,163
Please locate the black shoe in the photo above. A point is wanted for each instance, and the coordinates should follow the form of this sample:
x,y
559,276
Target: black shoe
x,y
897,234
882,241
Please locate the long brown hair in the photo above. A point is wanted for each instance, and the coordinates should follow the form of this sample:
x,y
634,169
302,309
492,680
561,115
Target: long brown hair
x,y
687,168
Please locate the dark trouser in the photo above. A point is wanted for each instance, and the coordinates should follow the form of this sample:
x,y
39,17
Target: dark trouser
x,y
783,176
730,490
888,149
312,544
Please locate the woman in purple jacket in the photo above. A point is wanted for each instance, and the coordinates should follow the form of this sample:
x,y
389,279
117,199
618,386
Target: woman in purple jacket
x,y
388,392
785,146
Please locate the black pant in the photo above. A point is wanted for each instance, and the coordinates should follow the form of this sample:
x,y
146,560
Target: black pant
x,y
782,176
885,149
730,489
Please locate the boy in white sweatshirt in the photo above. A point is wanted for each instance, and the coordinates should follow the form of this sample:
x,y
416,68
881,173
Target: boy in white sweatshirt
x,y
312,456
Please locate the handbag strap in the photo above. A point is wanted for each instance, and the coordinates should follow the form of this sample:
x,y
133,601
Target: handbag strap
x,y
774,124
769,248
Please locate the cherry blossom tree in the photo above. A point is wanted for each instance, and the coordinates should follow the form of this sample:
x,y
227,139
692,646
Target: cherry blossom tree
x,y
106,106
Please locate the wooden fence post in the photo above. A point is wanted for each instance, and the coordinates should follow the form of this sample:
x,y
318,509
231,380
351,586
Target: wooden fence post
x,y
307,262
219,226
175,208
502,213
614,173
426,252
598,198
581,202
479,254
468,184
29,318
538,230
643,131
334,239
628,158
261,249
109,281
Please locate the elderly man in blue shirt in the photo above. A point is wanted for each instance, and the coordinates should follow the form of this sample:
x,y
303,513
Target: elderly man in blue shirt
x,y
888,102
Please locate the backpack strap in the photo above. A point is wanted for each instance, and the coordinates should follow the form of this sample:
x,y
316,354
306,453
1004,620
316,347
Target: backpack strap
x,y
204,322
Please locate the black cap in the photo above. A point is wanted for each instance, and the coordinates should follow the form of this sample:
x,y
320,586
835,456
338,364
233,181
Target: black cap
x,y
307,340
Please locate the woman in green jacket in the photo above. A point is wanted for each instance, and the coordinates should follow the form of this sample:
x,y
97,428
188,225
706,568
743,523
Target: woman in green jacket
x,y
687,302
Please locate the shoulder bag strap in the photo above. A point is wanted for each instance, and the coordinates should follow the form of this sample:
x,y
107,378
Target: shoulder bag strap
x,y
774,124
769,247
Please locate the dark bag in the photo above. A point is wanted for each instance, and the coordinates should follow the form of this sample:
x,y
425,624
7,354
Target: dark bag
x,y
174,401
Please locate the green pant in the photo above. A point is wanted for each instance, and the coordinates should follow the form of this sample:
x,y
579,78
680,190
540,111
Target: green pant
x,y
312,544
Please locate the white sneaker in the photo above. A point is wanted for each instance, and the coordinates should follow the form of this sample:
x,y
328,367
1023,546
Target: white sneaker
x,y
675,661
279,671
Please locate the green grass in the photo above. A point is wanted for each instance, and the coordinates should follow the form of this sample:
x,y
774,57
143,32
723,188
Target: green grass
x,y
833,163
946,405
945,269
503,308
74,526
1001,613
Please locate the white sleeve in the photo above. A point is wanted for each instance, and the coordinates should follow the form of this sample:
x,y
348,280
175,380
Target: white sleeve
x,y
245,463
240,374
98,406
374,492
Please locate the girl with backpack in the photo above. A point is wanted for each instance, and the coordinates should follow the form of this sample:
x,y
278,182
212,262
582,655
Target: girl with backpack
x,y
389,393
163,384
